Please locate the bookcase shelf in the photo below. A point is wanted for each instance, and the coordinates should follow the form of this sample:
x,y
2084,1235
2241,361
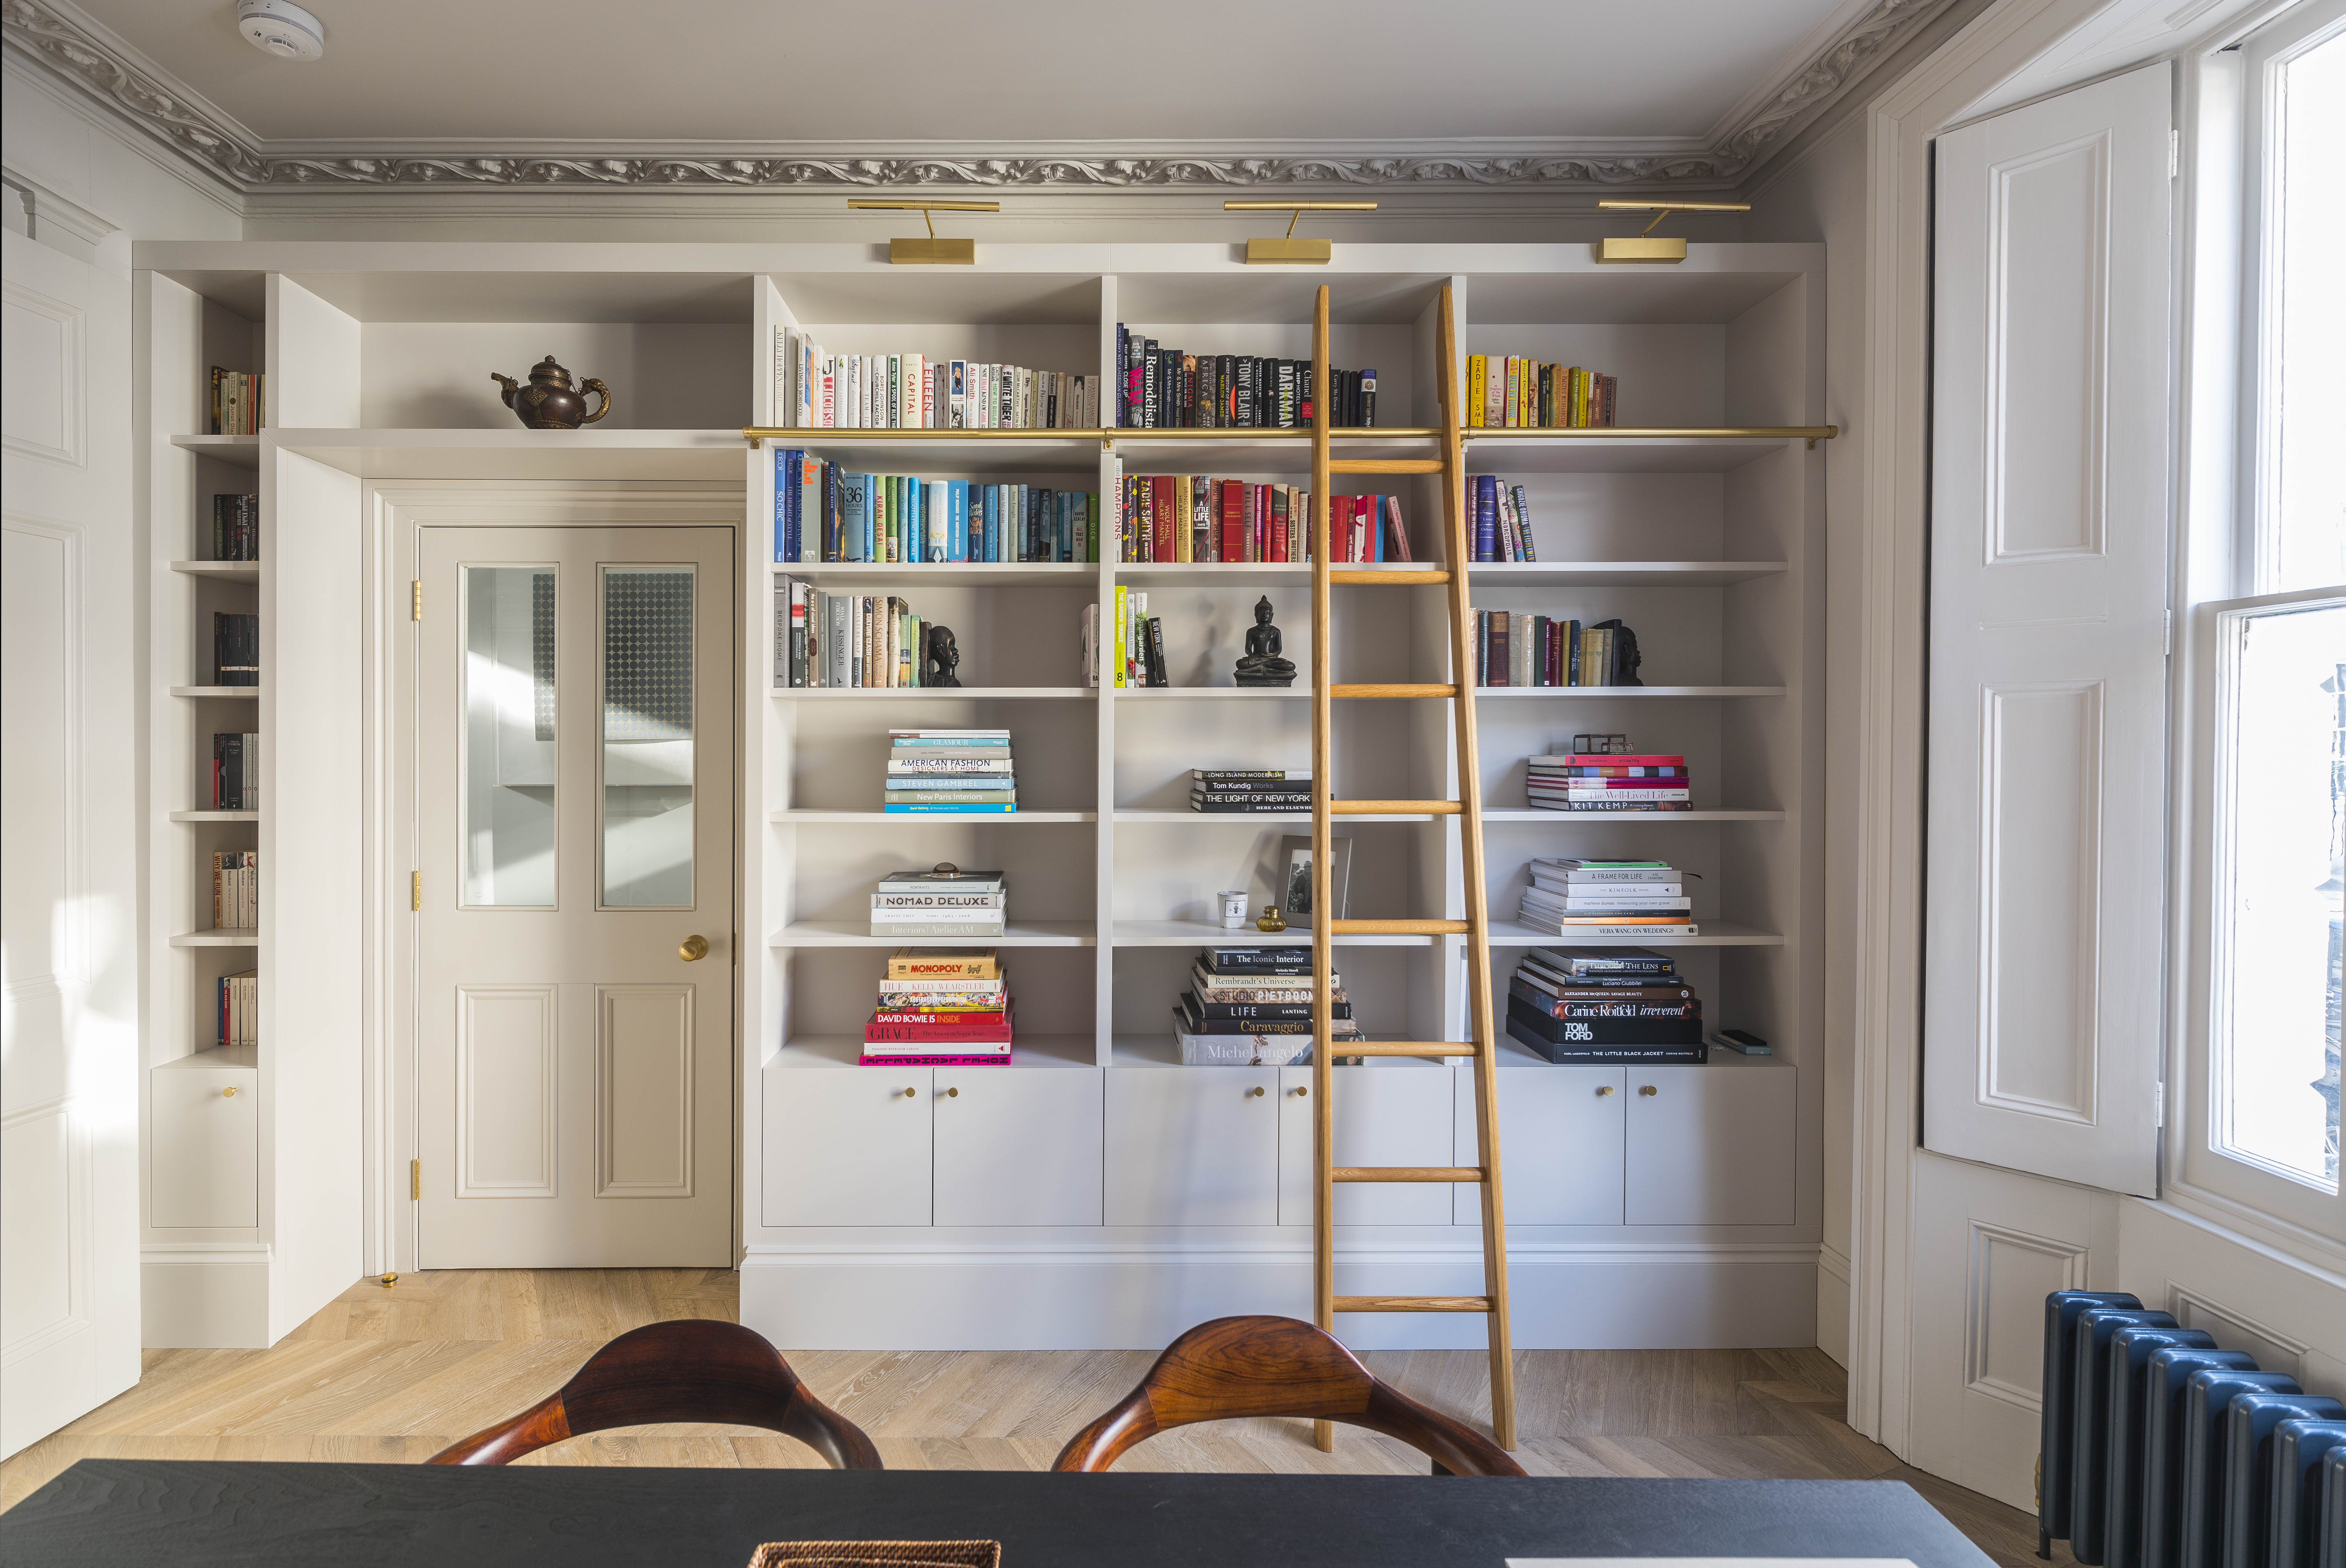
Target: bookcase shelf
x,y
1533,817
1619,574
855,934
908,576
222,936
515,453
243,450
930,693
1254,819
1199,933
812,818
228,571
216,816
1640,693
1031,1051
241,693
1715,934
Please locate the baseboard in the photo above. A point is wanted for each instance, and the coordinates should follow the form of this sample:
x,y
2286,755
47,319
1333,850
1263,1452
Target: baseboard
x,y
1676,1298
1832,1304
204,1296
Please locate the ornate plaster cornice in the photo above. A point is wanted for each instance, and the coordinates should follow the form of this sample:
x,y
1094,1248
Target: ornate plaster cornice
x,y
72,46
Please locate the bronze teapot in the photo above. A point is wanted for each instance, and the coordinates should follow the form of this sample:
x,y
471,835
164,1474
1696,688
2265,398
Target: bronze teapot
x,y
548,403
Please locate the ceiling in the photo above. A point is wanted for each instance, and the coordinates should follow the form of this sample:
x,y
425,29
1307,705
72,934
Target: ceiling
x,y
1377,73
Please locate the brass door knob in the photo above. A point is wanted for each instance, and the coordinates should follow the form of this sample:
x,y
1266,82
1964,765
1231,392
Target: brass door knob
x,y
1604,1090
1255,1092
953,1094
1647,1091
693,949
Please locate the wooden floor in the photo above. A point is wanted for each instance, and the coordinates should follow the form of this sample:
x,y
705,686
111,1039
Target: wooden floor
x,y
392,1376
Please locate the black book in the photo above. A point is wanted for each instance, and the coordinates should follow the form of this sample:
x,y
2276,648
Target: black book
x,y
1157,673
236,649
1228,773
1256,960
1274,1012
228,772
1603,1032
1580,1007
1283,394
1226,378
1151,370
1577,962
1272,783
832,544
1033,525
1306,411
1244,396
1192,1024
1561,1052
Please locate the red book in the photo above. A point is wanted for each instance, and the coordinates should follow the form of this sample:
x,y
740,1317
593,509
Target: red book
x,y
1233,517
980,1018
1397,535
946,1035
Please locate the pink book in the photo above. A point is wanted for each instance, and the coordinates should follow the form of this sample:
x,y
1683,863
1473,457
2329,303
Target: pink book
x,y
932,1061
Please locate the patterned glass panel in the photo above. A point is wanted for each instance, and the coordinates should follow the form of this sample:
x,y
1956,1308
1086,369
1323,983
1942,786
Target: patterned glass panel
x,y
647,755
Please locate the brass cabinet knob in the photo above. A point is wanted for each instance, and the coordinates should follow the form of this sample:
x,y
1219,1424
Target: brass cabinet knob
x,y
1303,1093
953,1094
1255,1092
1647,1091
910,1092
1604,1090
228,1093
693,949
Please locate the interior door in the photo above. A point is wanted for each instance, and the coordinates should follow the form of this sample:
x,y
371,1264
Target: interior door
x,y
575,799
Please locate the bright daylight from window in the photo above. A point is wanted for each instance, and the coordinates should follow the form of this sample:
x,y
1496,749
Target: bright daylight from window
x,y
2305,522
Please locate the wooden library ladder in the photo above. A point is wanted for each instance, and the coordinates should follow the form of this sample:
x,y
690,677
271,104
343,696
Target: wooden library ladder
x,y
1468,808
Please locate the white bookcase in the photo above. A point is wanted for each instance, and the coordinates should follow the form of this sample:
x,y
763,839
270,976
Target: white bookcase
x,y
1094,1193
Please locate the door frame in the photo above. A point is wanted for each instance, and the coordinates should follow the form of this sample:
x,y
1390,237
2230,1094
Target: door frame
x,y
396,513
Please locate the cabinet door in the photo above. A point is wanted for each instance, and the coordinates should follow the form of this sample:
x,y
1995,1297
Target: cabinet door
x,y
1710,1146
1560,1144
1397,1112
1192,1146
847,1146
207,1146
1017,1146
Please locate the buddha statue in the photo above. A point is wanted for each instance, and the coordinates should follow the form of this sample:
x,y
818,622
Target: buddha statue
x,y
1262,666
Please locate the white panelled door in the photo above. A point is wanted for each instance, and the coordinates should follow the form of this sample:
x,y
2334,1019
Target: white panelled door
x,y
2049,598
69,718
574,1006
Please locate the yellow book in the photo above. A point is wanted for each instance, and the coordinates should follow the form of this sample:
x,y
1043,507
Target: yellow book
x,y
1120,634
1477,366
1580,397
1186,528
1514,391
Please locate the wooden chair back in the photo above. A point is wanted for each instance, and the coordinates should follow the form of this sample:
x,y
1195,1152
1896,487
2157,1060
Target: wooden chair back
x,y
688,1369
1275,1366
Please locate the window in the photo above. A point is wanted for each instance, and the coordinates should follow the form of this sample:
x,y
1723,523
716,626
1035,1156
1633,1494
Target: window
x,y
2266,732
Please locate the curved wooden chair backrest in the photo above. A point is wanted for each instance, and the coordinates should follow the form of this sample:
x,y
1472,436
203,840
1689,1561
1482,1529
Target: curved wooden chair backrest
x,y
1275,1366
688,1369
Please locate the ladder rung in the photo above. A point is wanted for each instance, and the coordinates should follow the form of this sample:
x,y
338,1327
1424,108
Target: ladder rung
x,y
1394,807
1407,1173
1386,465
1399,927
1412,1304
1375,576
1393,689
1406,1048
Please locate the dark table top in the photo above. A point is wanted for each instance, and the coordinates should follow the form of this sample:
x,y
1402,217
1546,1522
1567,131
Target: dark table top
x,y
181,1513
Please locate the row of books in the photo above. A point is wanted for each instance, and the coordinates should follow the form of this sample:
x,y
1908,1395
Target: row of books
x,y
1132,645
236,771
1166,389
235,1009
933,772
236,889
1252,1007
1514,391
825,639
940,1007
1608,781
1502,520
824,512
236,649
816,388
239,403
1237,791
1604,1004
1181,517
1516,647
236,527
1607,898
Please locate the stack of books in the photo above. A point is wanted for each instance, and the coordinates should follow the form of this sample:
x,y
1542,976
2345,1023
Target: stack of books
x,y
1134,643
236,649
1194,518
239,403
1604,1004
942,902
236,527
1607,781
1252,1007
1166,389
236,772
818,388
236,889
1607,898
824,639
940,1007
824,512
236,1006
943,770
1237,790
1515,391
1502,520
1517,648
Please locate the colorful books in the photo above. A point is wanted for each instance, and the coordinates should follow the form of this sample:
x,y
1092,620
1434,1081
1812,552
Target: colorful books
x,y
1188,518
1514,391
824,639
816,388
237,402
824,511
236,889
1599,781
1164,388
236,1006
949,770
1500,516
941,1007
1522,649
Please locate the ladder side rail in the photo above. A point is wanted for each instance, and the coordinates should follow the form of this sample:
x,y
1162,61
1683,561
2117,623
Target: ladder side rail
x,y
1323,757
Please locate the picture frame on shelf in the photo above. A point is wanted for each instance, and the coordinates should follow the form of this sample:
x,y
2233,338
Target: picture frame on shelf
x,y
1296,887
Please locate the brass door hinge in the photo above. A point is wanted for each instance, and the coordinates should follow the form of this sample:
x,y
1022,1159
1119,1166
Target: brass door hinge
x,y
416,1181
416,605
415,889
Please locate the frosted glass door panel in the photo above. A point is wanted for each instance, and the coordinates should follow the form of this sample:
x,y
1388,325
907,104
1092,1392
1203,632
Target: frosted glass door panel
x,y
647,738
509,748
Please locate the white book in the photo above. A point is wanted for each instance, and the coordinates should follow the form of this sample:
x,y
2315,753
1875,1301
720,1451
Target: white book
x,y
1602,904
1662,889
915,397
936,1047
782,394
956,398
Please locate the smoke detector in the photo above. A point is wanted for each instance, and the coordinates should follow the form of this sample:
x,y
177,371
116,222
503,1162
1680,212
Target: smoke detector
x,y
282,28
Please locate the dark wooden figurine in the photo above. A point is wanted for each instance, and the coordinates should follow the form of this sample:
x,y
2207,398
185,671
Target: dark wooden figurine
x,y
688,1369
944,655
1235,1366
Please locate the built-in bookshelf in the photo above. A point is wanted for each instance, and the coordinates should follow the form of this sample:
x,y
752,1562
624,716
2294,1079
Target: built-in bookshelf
x,y
1093,1193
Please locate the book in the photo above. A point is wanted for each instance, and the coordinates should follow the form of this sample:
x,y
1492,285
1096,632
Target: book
x,y
932,807
1553,1006
1276,1012
1742,1042
963,1060
934,991
1187,1021
1251,986
236,527
1210,776
236,769
1577,961
1643,931
1253,960
1604,870
938,1031
1617,988
1243,1050
938,901
236,649
1681,1031
929,964
1582,1051
936,928
944,877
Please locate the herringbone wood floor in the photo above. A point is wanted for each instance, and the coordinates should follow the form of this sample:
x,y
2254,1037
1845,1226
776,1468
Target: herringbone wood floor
x,y
392,1376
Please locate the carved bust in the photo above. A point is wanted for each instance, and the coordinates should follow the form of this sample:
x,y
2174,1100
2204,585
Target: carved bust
x,y
944,655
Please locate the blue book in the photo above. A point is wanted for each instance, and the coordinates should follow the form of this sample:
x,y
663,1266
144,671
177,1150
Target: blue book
x,y
783,489
834,546
957,519
1062,527
989,545
1486,517
852,514
948,809
1030,512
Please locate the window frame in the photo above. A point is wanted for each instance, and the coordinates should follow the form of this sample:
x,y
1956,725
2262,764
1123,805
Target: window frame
x,y
2225,545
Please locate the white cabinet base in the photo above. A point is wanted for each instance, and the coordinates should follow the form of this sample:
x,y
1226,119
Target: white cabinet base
x,y
204,1296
